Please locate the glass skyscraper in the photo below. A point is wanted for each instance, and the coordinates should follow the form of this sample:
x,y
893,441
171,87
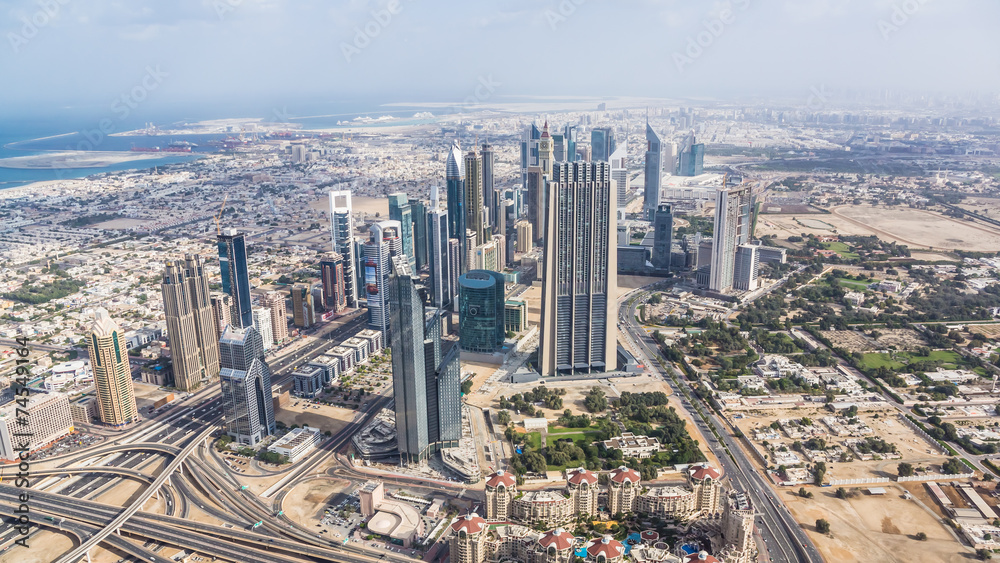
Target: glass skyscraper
x,y
653,172
246,386
235,276
399,210
481,311
342,236
455,180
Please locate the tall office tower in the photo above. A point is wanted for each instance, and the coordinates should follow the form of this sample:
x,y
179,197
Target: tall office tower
x,y
663,224
475,206
426,387
187,337
471,242
204,317
497,218
732,228
419,210
579,287
653,172
537,186
489,183
546,154
487,256
529,152
619,172
262,322
235,276
559,147
524,237
454,269
399,210
112,372
670,158
569,137
481,311
303,308
508,218
746,267
275,301
439,258
501,244
342,230
221,312
381,247
692,157
602,144
331,271
455,180
246,386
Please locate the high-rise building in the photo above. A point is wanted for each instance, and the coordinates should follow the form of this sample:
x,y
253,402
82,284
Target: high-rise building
x,y
235,276
419,210
489,157
653,172
51,418
221,312
112,372
670,158
663,224
439,258
570,138
262,322
399,210
546,153
619,172
746,267
475,205
578,333
191,326
602,144
537,198
487,256
383,244
471,242
426,382
303,308
331,270
691,161
732,228
524,237
529,152
275,301
246,386
481,311
455,180
342,230
454,259
559,147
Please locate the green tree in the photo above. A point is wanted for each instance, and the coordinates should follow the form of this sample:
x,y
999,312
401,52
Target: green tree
x,y
467,386
841,493
595,401
822,526
503,418
921,536
819,471
905,469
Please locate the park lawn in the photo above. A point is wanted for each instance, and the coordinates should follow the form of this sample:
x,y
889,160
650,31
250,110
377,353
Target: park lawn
x,y
579,438
564,430
949,359
534,441
842,249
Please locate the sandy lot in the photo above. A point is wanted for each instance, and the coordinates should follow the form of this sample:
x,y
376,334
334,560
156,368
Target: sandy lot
x,y
44,547
326,417
991,331
304,504
853,341
875,528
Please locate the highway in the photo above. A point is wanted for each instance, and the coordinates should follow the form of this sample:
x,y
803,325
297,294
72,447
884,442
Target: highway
x,y
784,539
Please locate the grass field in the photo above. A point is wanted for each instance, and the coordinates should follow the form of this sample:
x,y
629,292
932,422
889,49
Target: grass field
x,y
579,438
563,430
948,358
854,284
534,440
842,249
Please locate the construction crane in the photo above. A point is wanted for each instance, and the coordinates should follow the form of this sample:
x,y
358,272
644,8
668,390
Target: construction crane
x,y
218,215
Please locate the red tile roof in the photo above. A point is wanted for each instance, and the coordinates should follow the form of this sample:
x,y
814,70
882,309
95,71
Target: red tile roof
x,y
471,523
702,557
610,547
559,538
623,474
581,475
704,470
501,477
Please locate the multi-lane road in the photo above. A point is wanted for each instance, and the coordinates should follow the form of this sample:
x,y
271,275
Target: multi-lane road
x,y
783,538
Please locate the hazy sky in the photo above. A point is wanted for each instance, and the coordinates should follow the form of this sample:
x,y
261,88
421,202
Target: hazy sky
x,y
280,52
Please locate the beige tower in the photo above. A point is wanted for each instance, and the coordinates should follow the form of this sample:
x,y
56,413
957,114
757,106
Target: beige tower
x,y
181,329
501,488
582,487
303,311
221,307
468,539
204,318
623,488
112,373
737,530
474,204
546,152
275,301
704,481
524,235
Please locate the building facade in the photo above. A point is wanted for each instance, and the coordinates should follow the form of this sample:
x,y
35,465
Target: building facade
x,y
246,386
50,419
303,308
732,229
400,210
501,488
331,269
455,180
481,311
235,276
275,301
112,372
653,172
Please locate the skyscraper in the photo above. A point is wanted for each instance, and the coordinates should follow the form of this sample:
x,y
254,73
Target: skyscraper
x,y
221,312
303,309
399,210
342,230
262,322
481,311
455,180
569,137
524,237
235,276
663,224
732,228
692,157
546,152
653,172
425,382
331,270
619,173
194,350
246,386
419,210
746,266
529,152
384,243
112,372
536,185
475,206
579,287
489,157
442,292
275,301
602,144
454,259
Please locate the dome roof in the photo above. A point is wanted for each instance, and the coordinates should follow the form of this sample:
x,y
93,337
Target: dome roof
x,y
623,474
558,538
471,523
703,471
700,557
607,546
501,477
581,475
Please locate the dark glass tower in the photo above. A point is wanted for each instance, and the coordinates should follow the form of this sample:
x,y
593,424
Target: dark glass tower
x,y
455,180
400,210
653,172
235,276
480,311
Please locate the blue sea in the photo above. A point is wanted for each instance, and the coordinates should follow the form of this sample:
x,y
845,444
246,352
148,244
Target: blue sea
x,y
80,129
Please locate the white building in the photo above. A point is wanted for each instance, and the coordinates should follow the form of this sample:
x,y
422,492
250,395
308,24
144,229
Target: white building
x,y
48,419
296,443
262,320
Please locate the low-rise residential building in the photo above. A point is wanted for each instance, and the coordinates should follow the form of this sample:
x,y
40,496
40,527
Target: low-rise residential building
x,y
631,445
